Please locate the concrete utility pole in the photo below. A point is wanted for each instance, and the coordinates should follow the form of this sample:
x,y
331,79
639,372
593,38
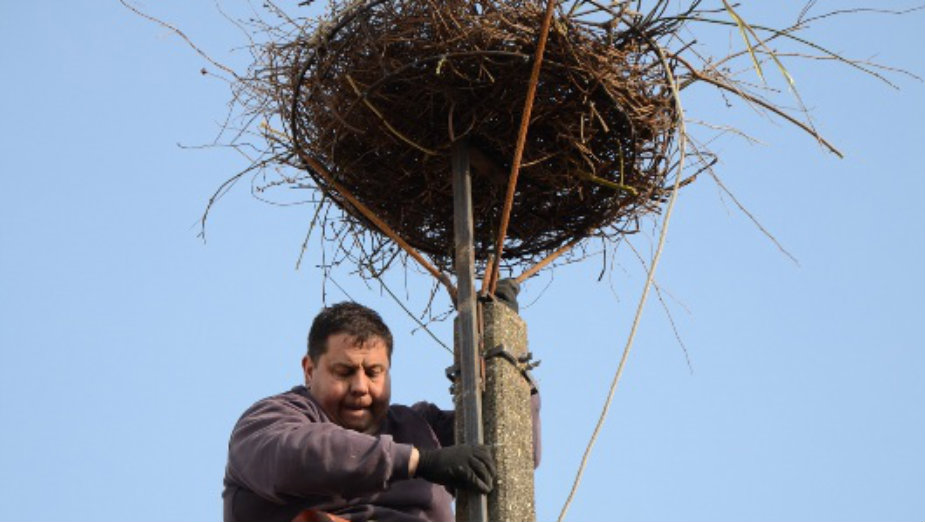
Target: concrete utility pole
x,y
507,414
497,348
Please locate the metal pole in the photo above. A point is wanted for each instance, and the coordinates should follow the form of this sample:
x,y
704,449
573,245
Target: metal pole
x,y
470,506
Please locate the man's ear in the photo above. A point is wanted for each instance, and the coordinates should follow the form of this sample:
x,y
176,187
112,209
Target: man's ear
x,y
308,368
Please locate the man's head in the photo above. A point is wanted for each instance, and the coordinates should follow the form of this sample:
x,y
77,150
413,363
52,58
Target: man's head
x,y
347,365
348,317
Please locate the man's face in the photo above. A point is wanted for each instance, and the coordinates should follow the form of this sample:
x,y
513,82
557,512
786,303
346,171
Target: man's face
x,y
351,381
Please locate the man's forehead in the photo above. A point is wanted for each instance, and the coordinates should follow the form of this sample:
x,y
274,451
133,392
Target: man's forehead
x,y
357,359
350,340
347,347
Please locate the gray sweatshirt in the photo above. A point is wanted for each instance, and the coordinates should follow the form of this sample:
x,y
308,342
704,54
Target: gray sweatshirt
x,y
285,455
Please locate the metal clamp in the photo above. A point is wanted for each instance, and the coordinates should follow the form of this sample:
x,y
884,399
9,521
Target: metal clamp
x,y
524,363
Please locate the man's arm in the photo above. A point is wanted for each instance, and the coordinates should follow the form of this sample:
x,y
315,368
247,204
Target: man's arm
x,y
279,448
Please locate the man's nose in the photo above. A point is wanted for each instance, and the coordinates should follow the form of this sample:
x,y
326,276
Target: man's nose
x,y
359,385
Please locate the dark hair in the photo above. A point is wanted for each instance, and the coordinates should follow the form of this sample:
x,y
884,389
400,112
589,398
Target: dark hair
x,y
347,317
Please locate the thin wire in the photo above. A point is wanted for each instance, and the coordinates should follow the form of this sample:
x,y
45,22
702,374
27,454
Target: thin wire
x,y
645,291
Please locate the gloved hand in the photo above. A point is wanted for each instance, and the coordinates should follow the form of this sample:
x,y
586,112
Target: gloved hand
x,y
460,466
507,291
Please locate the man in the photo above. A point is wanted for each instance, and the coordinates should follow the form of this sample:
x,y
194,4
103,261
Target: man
x,y
337,446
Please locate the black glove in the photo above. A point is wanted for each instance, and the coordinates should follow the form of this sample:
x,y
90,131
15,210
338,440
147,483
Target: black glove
x,y
507,291
461,466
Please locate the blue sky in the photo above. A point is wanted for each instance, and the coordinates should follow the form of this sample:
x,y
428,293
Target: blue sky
x,y
129,347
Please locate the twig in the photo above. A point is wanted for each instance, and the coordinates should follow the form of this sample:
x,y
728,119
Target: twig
x,y
753,218
385,122
661,299
754,99
181,34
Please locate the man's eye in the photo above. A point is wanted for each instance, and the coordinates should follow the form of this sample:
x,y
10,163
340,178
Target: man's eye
x,y
374,372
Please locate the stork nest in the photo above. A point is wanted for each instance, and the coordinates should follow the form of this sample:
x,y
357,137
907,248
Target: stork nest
x,y
379,93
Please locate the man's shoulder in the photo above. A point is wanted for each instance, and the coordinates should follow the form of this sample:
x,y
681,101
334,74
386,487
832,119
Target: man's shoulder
x,y
421,413
296,399
419,409
296,394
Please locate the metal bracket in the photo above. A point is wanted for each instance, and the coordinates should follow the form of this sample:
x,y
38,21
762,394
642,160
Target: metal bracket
x,y
453,374
524,363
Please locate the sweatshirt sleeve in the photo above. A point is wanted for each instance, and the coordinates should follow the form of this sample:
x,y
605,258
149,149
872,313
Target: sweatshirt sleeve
x,y
281,447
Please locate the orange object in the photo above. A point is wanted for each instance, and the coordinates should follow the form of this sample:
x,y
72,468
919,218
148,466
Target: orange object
x,y
313,515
